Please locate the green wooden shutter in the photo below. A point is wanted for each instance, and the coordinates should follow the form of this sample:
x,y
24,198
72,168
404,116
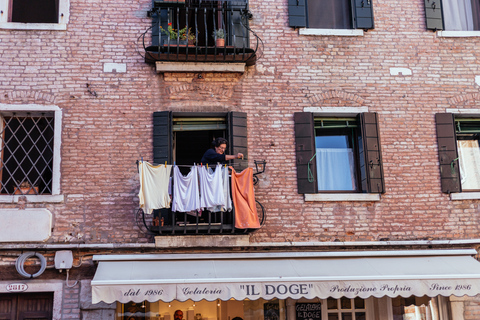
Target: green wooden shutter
x,y
370,154
297,13
447,153
237,34
363,14
305,150
162,137
434,14
237,136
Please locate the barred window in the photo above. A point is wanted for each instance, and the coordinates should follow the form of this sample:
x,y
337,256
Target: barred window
x,y
26,158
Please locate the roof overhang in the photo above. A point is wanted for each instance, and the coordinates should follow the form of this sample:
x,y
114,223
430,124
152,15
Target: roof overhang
x,y
252,276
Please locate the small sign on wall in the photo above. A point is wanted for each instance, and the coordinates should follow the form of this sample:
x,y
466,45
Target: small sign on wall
x,y
16,287
308,311
271,311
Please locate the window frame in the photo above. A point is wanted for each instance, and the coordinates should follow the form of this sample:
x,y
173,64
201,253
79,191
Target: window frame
x,y
372,184
362,18
55,196
63,18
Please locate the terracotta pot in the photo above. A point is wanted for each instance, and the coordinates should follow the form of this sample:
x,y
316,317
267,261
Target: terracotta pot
x,y
26,190
220,42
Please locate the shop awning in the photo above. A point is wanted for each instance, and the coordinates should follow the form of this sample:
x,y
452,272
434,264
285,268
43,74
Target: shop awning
x,y
294,275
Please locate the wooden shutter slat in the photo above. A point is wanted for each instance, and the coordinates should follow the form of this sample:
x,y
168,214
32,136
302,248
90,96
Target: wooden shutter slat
x,y
371,167
238,138
297,13
434,14
304,151
162,137
447,152
363,14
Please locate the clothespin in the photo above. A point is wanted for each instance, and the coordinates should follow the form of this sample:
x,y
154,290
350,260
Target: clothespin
x,y
165,164
225,165
207,165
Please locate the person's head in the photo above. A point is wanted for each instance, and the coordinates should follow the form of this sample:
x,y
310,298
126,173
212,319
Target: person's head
x,y
178,315
220,144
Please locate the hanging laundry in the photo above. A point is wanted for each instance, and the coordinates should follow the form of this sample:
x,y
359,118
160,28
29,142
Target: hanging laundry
x,y
186,195
244,200
227,204
211,187
154,181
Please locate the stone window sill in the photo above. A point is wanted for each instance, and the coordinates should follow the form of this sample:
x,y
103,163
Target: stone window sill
x,y
33,198
325,197
331,32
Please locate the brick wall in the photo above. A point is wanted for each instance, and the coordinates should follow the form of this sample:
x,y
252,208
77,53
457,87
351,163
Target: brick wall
x,y
107,129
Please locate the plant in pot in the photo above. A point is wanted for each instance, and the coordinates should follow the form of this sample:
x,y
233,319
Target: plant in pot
x,y
182,36
219,36
25,188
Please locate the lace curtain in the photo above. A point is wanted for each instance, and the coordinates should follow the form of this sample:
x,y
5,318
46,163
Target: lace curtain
x,y
469,160
461,15
335,169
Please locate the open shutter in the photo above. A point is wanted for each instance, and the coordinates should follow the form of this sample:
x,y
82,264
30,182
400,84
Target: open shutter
x,y
162,137
370,154
447,153
305,150
236,32
363,14
297,13
434,14
237,136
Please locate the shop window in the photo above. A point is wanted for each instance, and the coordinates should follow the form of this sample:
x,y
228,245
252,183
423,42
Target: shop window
x,y
183,138
459,152
34,14
413,308
346,309
38,305
453,15
331,14
338,154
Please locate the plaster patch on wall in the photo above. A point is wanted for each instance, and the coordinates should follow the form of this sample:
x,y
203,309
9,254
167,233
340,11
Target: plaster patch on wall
x,y
115,67
400,71
477,80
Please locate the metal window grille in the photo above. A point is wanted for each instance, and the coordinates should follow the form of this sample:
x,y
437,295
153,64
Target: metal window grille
x,y
26,163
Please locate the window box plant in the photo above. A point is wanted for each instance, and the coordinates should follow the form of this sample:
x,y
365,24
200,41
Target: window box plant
x,y
176,37
219,36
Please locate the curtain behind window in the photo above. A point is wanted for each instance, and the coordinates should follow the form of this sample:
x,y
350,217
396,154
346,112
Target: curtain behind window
x,y
458,15
335,169
329,14
469,159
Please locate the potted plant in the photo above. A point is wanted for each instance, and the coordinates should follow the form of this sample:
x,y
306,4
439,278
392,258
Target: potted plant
x,y
25,188
219,36
182,36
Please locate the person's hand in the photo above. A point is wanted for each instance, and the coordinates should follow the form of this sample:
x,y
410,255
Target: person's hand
x,y
239,155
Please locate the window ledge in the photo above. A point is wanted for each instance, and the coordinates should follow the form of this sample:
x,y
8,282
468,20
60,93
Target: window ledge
x,y
33,198
342,197
458,34
331,32
33,26
162,67
465,196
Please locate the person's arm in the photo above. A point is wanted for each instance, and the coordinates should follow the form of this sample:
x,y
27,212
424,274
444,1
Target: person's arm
x,y
232,157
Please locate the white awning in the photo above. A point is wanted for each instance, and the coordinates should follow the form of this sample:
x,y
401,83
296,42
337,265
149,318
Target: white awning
x,y
294,275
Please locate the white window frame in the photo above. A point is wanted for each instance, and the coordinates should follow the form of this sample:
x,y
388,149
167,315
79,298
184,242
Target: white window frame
x,y
55,196
325,197
63,18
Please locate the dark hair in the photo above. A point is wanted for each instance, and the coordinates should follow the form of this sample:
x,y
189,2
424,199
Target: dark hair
x,y
237,318
219,141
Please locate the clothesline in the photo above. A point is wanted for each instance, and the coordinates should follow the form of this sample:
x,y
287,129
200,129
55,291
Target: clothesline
x,y
191,165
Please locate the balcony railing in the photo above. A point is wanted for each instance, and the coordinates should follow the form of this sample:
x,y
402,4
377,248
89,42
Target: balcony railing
x,y
168,222
184,31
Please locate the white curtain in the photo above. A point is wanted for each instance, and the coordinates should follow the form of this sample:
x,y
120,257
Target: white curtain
x,y
458,15
469,160
335,169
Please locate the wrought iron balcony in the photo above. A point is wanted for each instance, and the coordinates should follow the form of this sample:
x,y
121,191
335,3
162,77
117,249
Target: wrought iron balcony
x,y
168,222
192,30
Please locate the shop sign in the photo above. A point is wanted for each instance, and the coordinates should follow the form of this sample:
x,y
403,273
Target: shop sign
x,y
17,287
308,311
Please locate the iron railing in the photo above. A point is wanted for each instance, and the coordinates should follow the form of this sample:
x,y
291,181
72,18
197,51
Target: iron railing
x,y
185,31
168,222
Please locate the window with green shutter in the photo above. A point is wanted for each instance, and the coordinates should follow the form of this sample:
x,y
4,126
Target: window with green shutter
x,y
452,15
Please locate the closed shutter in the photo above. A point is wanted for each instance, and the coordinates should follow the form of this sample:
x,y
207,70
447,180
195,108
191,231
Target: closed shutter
x,y
434,14
363,14
35,306
162,137
370,154
304,152
237,136
297,13
8,306
447,153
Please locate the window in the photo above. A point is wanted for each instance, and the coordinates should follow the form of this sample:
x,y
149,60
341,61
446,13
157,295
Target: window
x,y
29,144
338,154
459,152
184,137
331,14
453,15
345,308
34,14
